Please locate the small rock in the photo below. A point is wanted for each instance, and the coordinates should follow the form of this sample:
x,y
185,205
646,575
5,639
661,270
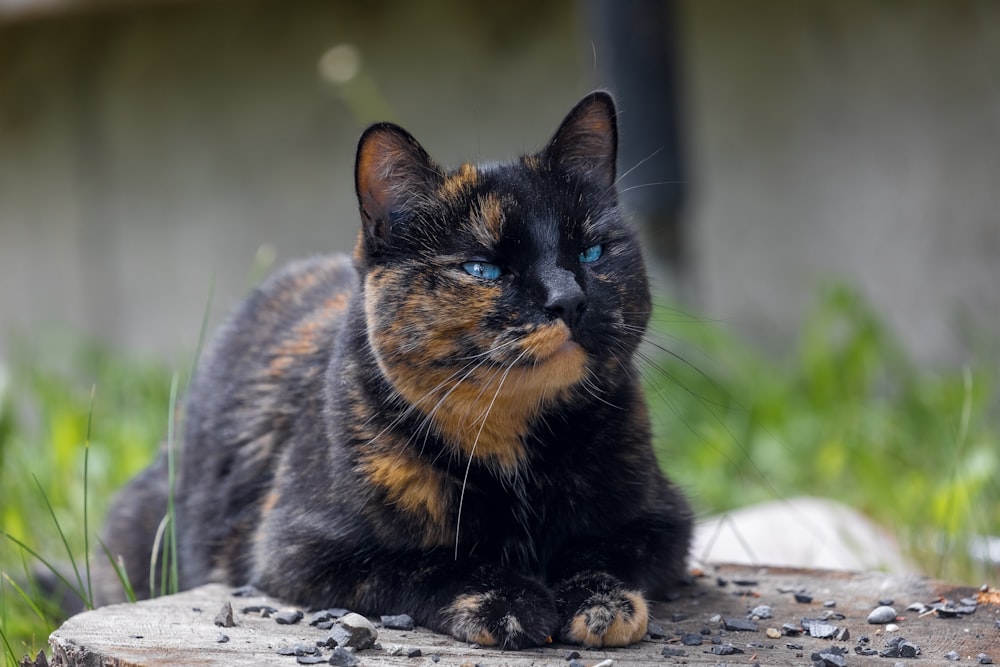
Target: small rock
x,y
655,630
326,615
288,617
773,633
744,582
883,614
952,655
310,659
225,617
221,638
297,649
886,602
918,607
715,619
900,648
264,610
604,663
829,657
671,652
791,629
739,625
353,631
821,630
725,649
691,639
398,622
804,598
891,627
843,634
412,652
762,611
571,655
678,617
830,604
575,663
794,647
244,592
984,659
343,657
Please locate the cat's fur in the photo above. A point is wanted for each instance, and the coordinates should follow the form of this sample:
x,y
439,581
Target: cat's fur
x,y
392,434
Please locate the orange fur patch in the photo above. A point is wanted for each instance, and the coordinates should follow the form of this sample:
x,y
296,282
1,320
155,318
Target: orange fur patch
x,y
488,220
412,485
461,181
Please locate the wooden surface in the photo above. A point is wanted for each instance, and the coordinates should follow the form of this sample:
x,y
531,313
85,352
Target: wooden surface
x,y
179,629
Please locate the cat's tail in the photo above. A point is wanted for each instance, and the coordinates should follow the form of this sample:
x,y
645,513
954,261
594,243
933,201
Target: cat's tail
x,y
130,535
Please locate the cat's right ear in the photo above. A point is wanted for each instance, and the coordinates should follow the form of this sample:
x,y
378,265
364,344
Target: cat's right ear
x,y
391,172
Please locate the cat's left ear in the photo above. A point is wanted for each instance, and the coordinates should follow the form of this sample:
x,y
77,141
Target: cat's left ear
x,y
586,144
391,172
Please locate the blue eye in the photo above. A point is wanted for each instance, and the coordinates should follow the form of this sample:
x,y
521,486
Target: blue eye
x,y
591,254
484,270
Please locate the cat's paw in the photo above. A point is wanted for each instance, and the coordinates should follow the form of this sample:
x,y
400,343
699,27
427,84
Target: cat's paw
x,y
510,617
600,611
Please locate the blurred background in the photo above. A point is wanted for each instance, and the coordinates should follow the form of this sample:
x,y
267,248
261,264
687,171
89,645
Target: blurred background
x,y
818,182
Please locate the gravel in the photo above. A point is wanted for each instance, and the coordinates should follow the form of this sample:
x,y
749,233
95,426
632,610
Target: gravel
x,y
224,618
881,615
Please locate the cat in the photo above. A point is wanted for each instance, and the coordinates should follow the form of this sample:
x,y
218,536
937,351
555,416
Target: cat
x,y
450,424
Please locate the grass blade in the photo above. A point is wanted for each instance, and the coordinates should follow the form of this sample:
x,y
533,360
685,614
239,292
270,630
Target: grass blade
x,y
11,657
118,565
86,524
49,566
27,598
171,514
84,592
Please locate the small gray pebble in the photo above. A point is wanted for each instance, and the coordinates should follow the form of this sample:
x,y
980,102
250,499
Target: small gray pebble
x,y
222,639
343,657
882,615
803,598
726,649
412,652
671,652
984,659
576,663
354,631
952,655
225,617
310,659
822,630
739,625
571,655
655,630
762,611
398,622
290,617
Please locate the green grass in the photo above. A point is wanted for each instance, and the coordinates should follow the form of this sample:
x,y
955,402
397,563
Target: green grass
x,y
846,414
46,410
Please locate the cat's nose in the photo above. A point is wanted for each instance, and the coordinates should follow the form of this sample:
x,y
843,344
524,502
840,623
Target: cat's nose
x,y
563,297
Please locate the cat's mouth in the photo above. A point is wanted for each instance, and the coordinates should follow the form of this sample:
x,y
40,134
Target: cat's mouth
x,y
549,343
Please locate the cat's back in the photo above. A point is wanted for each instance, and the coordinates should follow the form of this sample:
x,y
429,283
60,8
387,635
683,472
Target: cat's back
x,y
264,370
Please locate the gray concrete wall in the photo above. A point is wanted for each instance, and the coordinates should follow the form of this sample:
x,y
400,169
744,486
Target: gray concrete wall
x,y
848,139
145,151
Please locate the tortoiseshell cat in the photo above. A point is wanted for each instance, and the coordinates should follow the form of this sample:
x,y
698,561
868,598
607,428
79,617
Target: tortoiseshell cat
x,y
449,426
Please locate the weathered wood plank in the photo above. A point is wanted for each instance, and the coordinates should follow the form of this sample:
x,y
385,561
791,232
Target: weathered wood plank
x,y
179,629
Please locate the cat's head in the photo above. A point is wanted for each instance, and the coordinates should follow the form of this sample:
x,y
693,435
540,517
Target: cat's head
x,y
493,292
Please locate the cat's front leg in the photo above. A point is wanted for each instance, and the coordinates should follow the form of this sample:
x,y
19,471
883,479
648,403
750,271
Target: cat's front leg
x,y
502,609
598,610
